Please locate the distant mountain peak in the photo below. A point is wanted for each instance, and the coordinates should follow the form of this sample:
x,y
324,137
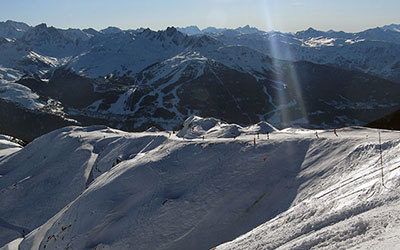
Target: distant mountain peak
x,y
247,29
91,31
310,32
392,27
11,29
311,29
171,30
15,23
110,30
41,26
190,30
213,30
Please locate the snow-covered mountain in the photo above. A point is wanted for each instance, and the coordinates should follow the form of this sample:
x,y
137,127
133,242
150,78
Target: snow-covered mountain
x,y
55,42
194,30
374,51
199,183
190,30
393,27
13,30
210,183
135,79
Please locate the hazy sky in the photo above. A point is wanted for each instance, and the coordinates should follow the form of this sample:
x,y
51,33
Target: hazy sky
x,y
283,15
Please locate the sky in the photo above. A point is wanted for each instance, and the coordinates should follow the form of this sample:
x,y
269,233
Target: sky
x,y
282,15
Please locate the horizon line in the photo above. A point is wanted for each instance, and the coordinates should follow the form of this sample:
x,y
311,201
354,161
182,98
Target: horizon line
x,y
199,27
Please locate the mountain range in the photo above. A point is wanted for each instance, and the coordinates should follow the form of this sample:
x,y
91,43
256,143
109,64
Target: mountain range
x,y
139,78
279,161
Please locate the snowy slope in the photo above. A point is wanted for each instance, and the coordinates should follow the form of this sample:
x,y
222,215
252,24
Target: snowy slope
x,y
49,178
15,92
20,57
345,206
154,190
7,147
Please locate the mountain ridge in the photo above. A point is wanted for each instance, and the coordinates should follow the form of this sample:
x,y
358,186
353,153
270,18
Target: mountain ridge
x,y
134,79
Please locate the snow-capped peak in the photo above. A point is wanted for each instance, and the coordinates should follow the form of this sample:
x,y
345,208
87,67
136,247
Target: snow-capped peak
x,y
190,30
393,27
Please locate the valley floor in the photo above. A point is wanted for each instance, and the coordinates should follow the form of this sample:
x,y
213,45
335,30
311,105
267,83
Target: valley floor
x,y
209,185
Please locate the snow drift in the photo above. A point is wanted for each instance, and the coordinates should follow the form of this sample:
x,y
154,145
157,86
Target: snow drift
x,y
198,127
101,188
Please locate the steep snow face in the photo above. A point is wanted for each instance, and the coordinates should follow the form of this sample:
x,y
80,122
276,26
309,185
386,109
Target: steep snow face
x,y
104,188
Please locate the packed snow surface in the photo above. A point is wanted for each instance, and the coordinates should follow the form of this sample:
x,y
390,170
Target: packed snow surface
x,y
7,146
96,187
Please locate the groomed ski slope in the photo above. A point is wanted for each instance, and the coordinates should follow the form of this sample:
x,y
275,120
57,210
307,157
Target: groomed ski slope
x,y
95,187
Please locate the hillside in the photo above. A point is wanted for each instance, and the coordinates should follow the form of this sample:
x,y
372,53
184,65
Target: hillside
x,y
390,121
136,79
97,187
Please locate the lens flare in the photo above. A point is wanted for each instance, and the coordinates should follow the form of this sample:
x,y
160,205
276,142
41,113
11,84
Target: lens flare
x,y
290,107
